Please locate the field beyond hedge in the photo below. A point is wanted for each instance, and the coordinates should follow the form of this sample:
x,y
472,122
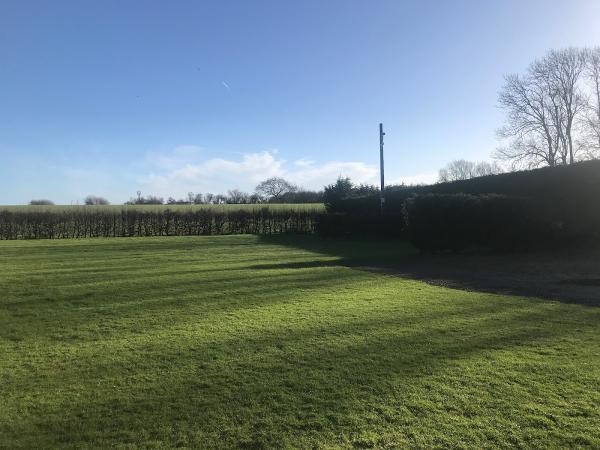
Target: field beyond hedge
x,y
243,341
318,207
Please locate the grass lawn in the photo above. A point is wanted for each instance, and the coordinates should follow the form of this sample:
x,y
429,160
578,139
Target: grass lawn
x,y
238,341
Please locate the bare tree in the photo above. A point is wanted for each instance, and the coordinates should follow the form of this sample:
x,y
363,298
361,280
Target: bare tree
x,y
563,70
219,199
542,109
198,199
237,197
274,188
209,198
591,123
528,123
462,169
459,169
485,168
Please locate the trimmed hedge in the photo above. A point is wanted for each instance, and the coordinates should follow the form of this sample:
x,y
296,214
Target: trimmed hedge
x,y
83,223
360,226
574,187
460,221
548,206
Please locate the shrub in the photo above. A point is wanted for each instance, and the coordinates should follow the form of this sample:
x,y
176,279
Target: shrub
x,y
95,200
41,202
333,193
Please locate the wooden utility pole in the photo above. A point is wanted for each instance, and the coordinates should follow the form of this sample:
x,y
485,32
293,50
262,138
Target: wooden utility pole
x,y
381,134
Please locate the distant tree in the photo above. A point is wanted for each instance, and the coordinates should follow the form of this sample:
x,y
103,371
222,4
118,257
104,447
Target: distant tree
x,y
462,169
459,169
209,198
173,201
153,200
41,202
95,200
274,188
237,197
254,198
198,199
149,200
219,199
485,168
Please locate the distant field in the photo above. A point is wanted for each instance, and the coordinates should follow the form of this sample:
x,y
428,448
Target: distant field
x,y
250,342
226,207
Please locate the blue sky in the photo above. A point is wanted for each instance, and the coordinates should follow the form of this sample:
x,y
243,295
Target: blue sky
x,y
112,97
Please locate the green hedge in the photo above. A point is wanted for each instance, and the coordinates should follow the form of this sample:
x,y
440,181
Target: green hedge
x,y
457,222
548,206
84,222
360,226
575,188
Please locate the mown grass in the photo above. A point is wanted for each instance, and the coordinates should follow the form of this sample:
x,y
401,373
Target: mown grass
x,y
224,207
237,341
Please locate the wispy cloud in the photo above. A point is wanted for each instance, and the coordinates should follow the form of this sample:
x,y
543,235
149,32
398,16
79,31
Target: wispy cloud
x,y
303,162
313,175
186,168
175,176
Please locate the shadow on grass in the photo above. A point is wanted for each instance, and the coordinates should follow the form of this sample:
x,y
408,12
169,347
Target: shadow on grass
x,y
570,277
302,265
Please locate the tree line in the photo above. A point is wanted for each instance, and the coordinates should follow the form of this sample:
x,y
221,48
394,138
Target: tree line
x,y
271,190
